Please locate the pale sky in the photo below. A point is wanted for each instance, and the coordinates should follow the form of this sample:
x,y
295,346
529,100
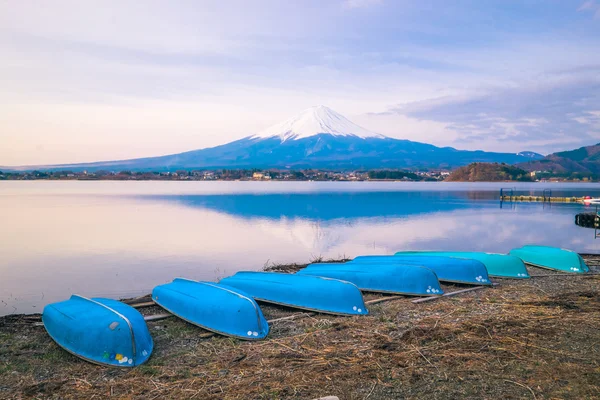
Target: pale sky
x,y
103,80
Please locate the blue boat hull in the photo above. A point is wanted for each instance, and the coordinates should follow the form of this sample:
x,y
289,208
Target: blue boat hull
x,y
411,280
497,265
102,331
312,293
214,307
447,269
551,258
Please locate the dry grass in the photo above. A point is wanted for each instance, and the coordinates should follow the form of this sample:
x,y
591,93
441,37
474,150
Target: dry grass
x,y
536,339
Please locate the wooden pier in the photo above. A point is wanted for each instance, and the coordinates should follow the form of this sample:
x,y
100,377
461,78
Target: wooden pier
x,y
541,199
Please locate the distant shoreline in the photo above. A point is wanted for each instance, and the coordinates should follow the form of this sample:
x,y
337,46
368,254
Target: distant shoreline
x,y
472,173
286,180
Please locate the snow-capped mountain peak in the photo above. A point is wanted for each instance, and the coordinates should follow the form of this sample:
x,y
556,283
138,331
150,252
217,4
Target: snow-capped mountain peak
x,y
313,121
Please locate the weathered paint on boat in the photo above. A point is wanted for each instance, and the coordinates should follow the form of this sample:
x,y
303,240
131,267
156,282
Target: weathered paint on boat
x,y
102,331
312,293
497,265
214,307
447,269
551,258
405,279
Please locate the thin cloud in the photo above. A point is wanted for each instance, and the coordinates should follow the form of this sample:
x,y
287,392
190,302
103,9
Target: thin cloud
x,y
547,115
590,6
116,79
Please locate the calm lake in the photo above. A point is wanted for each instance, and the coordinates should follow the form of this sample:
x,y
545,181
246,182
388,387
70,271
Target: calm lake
x,y
120,239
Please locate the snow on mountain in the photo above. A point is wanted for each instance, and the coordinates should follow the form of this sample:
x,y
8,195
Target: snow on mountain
x,y
530,154
313,121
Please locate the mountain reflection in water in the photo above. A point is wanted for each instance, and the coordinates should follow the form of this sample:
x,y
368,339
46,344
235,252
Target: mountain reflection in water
x,y
112,240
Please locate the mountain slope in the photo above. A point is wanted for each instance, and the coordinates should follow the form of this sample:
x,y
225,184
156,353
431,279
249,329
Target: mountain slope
x,y
488,172
317,138
584,160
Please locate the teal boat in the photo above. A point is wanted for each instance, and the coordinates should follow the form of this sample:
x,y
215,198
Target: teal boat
x,y
409,280
312,293
214,307
497,265
447,269
551,258
98,330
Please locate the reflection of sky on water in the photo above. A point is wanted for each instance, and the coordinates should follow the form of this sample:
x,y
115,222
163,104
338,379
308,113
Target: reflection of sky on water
x,y
120,244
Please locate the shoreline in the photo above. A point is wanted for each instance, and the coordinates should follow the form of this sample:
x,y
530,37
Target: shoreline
x,y
297,180
521,337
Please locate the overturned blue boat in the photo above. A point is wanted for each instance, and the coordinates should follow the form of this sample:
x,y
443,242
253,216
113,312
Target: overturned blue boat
x,y
214,307
447,269
551,258
409,280
312,293
497,265
102,331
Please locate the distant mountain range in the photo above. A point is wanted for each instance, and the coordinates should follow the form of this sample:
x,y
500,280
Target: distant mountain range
x,y
585,160
318,138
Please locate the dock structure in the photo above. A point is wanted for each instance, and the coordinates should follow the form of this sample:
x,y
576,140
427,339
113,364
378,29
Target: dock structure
x,y
540,199
508,194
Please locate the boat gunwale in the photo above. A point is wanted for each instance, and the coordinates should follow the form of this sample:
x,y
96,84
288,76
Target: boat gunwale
x,y
94,361
314,309
402,293
510,277
488,283
554,269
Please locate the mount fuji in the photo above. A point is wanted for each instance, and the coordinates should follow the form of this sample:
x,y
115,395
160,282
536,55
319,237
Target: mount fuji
x,y
318,138
315,121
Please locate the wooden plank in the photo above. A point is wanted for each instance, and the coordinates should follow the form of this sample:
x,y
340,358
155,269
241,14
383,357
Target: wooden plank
x,y
135,299
425,299
141,305
157,317
382,299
